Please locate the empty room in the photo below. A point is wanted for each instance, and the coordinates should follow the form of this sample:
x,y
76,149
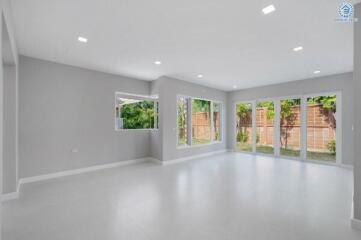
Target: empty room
x,y
180,120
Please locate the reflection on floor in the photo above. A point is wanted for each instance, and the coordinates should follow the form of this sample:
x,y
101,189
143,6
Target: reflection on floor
x,y
226,196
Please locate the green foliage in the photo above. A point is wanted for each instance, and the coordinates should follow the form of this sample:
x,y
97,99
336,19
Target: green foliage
x,y
199,105
244,110
331,146
242,136
270,108
257,138
138,115
328,102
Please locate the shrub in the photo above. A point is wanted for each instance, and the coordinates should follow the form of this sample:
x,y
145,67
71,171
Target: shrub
x,y
242,137
332,146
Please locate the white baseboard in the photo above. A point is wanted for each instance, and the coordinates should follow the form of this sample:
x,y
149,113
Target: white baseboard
x,y
155,160
356,224
80,170
346,166
179,160
14,195
9,196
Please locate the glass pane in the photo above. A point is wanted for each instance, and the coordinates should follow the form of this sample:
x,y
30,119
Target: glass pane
x,y
321,128
182,120
290,135
216,121
201,121
135,114
244,127
265,127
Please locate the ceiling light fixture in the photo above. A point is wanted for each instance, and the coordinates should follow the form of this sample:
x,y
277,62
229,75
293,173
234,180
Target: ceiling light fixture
x,y
297,49
269,9
157,62
317,72
82,39
200,76
234,86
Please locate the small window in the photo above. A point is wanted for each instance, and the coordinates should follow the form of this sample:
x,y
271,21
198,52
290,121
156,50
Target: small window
x,y
216,121
182,115
135,112
201,121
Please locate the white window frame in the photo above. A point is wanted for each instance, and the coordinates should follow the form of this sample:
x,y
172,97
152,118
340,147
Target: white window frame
x,y
189,122
153,98
303,137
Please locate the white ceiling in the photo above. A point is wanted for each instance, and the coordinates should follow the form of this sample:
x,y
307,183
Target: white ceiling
x,y
229,42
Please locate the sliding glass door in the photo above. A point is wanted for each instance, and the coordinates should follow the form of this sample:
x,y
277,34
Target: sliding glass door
x,y
244,132
321,128
301,127
290,127
265,127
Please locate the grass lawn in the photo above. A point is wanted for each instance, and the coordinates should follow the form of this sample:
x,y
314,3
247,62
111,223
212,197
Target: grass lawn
x,y
320,156
264,149
246,147
329,157
200,141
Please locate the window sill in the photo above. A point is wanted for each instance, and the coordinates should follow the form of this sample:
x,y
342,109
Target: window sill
x,y
143,129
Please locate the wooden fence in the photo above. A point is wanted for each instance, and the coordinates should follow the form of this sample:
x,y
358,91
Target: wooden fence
x,y
321,128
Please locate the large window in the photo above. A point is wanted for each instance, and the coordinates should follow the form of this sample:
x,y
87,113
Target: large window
x,y
290,127
321,128
198,121
265,127
135,112
244,127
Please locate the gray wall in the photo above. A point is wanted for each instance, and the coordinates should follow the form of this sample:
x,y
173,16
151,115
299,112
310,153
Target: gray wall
x,y
357,100
64,108
341,82
7,43
10,129
170,88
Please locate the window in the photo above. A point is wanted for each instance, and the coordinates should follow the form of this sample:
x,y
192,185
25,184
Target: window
x,y
216,121
321,128
265,127
198,121
290,127
244,127
182,115
135,112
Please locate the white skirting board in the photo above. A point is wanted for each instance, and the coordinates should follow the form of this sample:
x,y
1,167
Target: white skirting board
x,y
15,195
356,224
9,196
81,170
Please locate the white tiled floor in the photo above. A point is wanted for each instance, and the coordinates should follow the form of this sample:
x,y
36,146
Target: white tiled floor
x,y
227,196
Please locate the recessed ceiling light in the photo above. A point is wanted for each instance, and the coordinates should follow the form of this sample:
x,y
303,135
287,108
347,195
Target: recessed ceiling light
x,y
297,49
82,39
200,76
317,72
157,62
268,9
234,86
